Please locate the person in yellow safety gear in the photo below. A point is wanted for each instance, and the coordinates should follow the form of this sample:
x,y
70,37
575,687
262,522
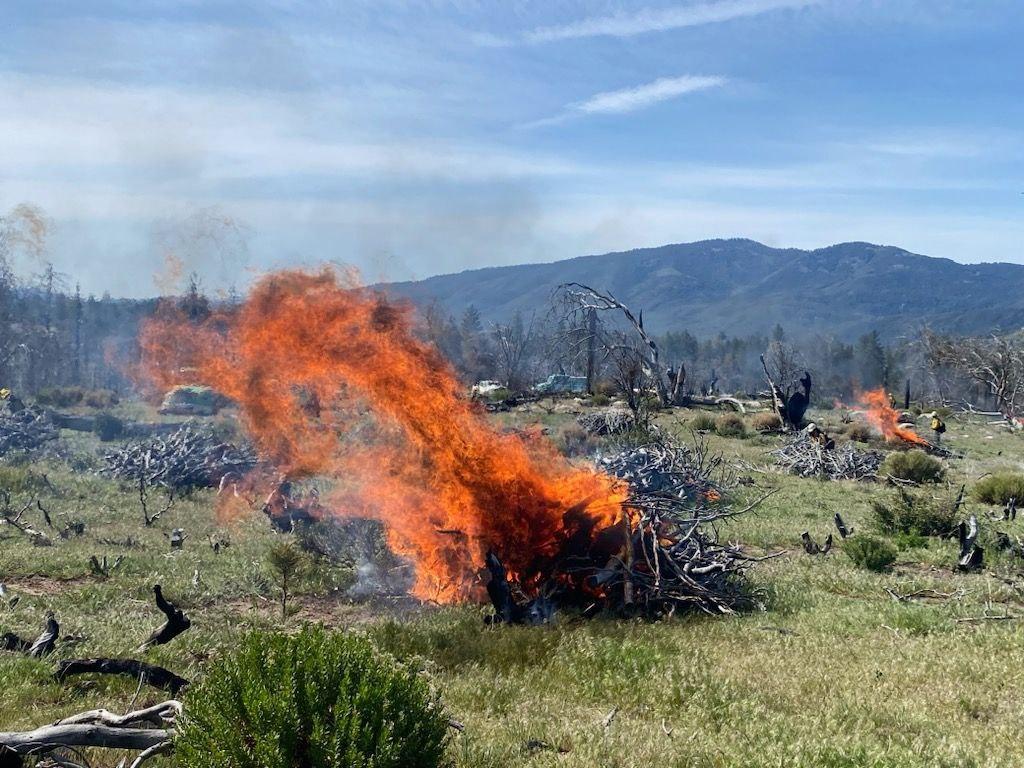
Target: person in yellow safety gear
x,y
938,427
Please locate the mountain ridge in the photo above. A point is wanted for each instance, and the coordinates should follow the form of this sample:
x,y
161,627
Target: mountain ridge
x,y
740,286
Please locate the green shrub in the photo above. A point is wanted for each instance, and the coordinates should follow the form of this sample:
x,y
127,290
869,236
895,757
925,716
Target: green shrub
x,y
702,422
916,466
21,479
68,397
1000,488
574,440
766,422
730,425
600,400
60,397
311,699
100,398
870,553
905,541
919,515
860,432
107,427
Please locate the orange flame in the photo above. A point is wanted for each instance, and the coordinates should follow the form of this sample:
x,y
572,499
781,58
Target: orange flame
x,y
883,417
331,381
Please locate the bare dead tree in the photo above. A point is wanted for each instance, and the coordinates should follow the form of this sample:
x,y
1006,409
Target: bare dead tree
x,y
583,304
630,377
995,363
790,392
147,517
512,343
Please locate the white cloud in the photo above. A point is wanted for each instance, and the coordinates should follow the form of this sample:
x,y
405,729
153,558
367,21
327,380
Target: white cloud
x,y
640,96
660,20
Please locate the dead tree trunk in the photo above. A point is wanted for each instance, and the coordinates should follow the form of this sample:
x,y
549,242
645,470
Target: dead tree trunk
x,y
591,300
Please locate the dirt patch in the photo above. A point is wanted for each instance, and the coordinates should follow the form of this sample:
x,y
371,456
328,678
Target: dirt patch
x,y
37,584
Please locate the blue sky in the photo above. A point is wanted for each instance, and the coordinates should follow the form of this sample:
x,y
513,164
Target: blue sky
x,y
414,138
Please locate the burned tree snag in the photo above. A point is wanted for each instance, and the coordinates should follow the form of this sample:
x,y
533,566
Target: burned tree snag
x,y
41,646
498,589
177,622
44,644
972,556
158,677
811,547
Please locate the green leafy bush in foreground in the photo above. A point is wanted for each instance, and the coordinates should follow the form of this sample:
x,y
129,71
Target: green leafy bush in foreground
x,y
313,699
870,553
1000,488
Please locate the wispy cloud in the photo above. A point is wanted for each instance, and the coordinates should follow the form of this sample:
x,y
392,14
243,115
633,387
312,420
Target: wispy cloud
x,y
631,99
640,96
660,20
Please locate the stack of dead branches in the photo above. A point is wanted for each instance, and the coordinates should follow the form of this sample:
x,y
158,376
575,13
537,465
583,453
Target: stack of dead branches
x,y
808,458
673,558
610,421
186,459
25,429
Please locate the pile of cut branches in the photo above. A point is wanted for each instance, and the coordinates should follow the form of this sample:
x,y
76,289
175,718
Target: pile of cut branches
x,y
674,559
25,429
610,421
184,460
664,555
802,456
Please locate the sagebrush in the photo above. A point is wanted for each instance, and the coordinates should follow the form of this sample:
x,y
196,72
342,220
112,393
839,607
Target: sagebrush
x,y
1000,488
317,699
915,466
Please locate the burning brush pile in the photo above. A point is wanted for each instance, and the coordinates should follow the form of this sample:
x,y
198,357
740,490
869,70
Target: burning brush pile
x,y
333,381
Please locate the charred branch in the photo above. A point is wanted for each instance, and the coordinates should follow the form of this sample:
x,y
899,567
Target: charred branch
x,y
177,622
158,677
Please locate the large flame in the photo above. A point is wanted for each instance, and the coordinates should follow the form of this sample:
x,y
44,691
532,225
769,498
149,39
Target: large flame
x,y
331,381
886,419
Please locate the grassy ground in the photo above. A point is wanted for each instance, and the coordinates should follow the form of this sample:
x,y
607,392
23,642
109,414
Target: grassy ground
x,y
834,673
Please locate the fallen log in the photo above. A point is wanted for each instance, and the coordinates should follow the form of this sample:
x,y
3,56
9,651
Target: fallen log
x,y
158,677
96,728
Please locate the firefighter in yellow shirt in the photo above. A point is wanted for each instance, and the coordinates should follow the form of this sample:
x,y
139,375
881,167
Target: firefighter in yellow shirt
x,y
938,426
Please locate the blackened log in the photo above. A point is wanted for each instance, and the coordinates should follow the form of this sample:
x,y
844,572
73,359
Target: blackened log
x,y
11,642
158,677
177,622
844,532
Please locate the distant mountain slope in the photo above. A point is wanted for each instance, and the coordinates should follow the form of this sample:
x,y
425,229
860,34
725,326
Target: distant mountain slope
x,y
741,287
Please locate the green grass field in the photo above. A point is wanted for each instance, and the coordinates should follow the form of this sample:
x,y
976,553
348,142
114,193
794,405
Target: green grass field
x,y
835,671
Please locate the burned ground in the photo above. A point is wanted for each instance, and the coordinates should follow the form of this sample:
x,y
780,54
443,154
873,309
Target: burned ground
x,y
914,666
